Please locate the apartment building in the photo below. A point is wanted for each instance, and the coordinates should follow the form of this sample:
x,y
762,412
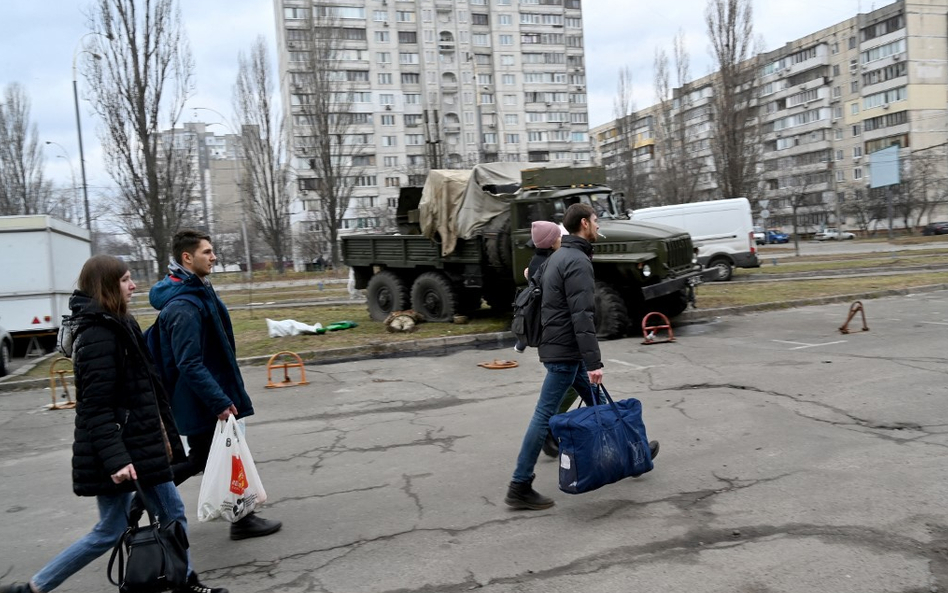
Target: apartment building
x,y
440,84
825,103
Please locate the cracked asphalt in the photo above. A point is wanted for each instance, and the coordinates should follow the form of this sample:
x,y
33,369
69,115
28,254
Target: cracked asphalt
x,y
794,459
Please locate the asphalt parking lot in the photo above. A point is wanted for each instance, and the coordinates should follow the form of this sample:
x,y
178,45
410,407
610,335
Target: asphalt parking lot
x,y
794,459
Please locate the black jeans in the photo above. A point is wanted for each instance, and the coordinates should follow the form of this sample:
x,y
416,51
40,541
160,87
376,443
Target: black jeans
x,y
200,449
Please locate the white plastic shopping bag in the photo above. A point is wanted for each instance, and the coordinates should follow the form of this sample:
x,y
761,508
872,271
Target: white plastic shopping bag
x,y
231,488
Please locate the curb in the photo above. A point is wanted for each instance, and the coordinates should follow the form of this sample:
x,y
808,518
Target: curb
x,y
495,340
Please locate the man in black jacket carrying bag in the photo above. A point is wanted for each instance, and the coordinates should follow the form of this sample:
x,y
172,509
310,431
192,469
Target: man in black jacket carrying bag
x,y
568,348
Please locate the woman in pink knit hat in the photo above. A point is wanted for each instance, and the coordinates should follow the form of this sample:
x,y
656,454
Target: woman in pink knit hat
x,y
546,238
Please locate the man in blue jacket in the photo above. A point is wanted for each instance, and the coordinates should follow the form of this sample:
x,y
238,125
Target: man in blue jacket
x,y
199,359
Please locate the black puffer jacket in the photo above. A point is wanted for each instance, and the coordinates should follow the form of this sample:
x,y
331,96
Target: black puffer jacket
x,y
122,412
569,305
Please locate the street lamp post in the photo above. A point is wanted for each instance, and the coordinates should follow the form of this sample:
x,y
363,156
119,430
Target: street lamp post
x,y
75,97
72,174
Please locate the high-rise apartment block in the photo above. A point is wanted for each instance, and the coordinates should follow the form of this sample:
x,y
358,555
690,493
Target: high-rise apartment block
x,y
825,103
440,84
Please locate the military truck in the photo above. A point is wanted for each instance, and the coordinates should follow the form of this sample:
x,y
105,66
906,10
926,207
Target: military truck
x,y
464,237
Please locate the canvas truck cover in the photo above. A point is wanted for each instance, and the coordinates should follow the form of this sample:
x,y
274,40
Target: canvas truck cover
x,y
440,201
458,213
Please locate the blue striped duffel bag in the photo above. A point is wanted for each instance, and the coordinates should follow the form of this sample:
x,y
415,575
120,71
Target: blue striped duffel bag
x,y
601,444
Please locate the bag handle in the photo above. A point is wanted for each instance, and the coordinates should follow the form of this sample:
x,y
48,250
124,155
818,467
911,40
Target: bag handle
x,y
602,389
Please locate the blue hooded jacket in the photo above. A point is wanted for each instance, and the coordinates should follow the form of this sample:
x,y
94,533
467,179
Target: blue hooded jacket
x,y
198,352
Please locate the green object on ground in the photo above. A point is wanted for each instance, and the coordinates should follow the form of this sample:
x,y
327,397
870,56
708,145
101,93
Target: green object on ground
x,y
341,325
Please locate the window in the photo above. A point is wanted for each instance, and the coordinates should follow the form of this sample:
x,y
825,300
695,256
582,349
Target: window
x,y
387,99
405,16
480,39
511,119
487,98
295,13
390,161
840,176
485,79
382,36
856,130
385,78
383,57
853,108
506,60
508,79
580,137
838,133
836,70
852,43
505,19
414,139
511,138
407,37
413,120
357,75
341,12
406,57
412,98
536,136
380,16
411,78
490,138
885,97
857,173
388,120
392,202
393,182
506,40
854,86
839,155
389,141
479,19
510,99
857,152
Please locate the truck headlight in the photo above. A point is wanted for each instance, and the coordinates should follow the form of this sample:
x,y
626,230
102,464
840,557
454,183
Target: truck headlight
x,y
646,271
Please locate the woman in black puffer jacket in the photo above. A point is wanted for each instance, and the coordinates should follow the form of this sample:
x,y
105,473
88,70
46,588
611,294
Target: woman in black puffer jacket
x,y
124,427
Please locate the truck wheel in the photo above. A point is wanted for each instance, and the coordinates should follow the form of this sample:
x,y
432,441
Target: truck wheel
x,y
497,241
5,358
725,268
432,297
612,317
386,292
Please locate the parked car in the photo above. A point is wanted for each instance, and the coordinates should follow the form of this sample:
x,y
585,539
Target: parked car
x,y
935,228
832,234
775,236
760,236
6,351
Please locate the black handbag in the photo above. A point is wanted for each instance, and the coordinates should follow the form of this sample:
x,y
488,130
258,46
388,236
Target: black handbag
x,y
152,558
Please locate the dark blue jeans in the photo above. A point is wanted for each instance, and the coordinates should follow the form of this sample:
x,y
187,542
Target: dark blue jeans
x,y
559,377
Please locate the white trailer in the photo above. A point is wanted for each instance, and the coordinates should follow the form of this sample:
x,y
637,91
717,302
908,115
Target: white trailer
x,y
40,260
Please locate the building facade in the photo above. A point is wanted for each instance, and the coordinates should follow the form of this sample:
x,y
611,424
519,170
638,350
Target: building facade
x,y
825,103
439,84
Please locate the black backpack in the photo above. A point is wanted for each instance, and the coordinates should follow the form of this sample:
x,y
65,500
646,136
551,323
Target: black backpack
x,y
152,337
526,312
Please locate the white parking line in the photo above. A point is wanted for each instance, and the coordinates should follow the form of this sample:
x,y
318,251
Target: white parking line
x,y
629,364
934,322
803,345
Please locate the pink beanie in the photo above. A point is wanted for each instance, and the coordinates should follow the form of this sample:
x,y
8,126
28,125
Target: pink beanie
x,y
544,234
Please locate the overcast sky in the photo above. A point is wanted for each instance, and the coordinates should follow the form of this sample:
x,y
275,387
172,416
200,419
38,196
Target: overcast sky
x,y
37,41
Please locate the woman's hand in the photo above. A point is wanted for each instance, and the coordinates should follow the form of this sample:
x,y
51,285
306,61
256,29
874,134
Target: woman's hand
x,y
126,473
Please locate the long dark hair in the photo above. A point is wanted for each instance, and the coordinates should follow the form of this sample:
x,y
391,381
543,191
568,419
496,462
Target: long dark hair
x,y
100,279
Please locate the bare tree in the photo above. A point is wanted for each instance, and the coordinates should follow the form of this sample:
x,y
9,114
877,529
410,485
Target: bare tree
x,y
622,177
23,189
139,83
735,143
330,137
676,169
923,186
263,141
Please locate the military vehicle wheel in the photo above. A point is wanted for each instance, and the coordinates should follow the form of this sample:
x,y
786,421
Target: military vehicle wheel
x,y
497,241
386,292
612,317
433,297
725,268
672,304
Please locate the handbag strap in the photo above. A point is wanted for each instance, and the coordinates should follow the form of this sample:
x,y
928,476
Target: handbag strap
x,y
141,494
118,552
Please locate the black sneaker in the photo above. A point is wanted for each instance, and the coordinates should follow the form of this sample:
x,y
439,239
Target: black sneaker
x,y
195,586
253,526
653,449
16,588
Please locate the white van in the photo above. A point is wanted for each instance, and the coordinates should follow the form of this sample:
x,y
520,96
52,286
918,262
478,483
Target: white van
x,y
722,230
